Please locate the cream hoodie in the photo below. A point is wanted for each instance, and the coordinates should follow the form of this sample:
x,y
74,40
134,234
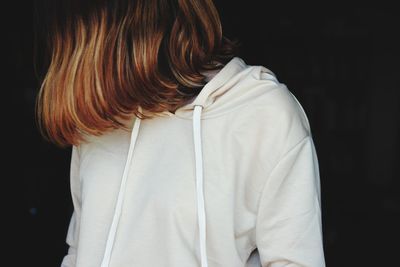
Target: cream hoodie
x,y
228,180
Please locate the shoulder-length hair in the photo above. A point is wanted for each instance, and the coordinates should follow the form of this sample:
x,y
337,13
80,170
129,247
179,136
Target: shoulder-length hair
x,y
107,58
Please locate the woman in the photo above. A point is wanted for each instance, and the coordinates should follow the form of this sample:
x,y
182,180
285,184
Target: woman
x,y
182,154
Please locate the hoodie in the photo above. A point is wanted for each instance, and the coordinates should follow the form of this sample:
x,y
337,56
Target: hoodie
x,y
229,179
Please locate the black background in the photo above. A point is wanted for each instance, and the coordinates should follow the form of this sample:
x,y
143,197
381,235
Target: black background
x,y
340,61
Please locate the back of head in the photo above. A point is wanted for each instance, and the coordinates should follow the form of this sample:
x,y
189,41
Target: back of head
x,y
107,58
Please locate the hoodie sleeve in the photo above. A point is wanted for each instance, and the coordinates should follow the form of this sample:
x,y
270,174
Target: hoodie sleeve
x,y
289,226
69,260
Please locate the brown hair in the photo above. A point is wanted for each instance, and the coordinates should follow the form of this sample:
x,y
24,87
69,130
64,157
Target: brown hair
x,y
109,58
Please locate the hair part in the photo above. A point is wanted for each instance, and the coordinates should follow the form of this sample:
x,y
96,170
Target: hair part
x,y
109,58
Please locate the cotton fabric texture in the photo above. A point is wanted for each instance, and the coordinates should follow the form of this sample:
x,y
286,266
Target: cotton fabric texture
x,y
229,180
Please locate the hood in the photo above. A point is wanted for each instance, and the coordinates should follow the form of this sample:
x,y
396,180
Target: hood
x,y
233,85
226,89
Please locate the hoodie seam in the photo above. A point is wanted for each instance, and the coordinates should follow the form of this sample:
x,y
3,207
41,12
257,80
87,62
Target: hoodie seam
x,y
263,189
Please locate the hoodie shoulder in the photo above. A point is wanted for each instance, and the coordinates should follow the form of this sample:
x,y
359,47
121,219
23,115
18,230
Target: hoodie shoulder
x,y
276,113
270,124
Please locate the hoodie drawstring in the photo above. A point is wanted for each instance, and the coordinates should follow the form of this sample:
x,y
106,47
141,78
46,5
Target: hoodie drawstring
x,y
199,184
199,189
117,214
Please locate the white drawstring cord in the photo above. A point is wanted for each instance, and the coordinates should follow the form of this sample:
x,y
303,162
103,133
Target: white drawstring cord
x,y
117,214
199,190
199,184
